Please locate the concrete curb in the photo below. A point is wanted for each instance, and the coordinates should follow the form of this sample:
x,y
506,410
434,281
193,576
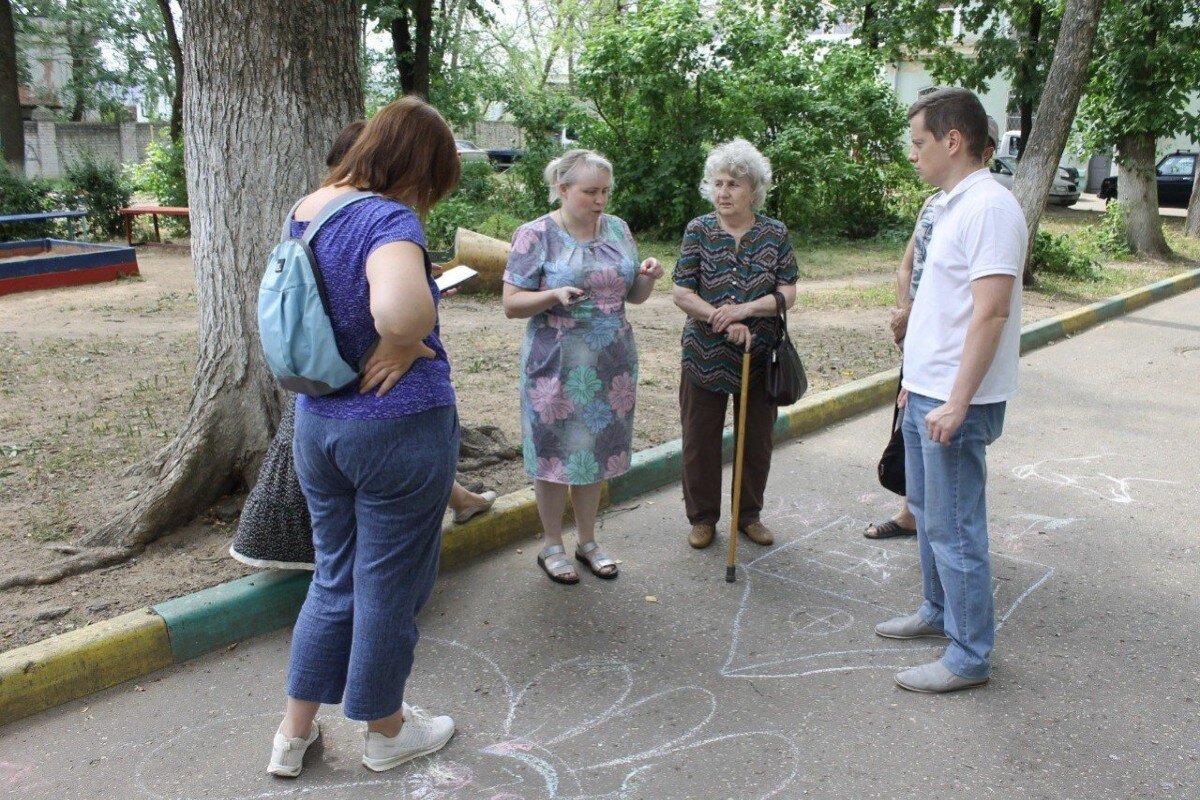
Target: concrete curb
x,y
81,662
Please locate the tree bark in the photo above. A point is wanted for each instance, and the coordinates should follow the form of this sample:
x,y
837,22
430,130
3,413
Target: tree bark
x,y
77,37
1138,192
269,86
177,62
402,49
1064,83
12,129
1192,226
423,11
1028,67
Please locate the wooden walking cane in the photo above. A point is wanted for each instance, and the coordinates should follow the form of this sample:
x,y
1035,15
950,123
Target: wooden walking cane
x,y
739,446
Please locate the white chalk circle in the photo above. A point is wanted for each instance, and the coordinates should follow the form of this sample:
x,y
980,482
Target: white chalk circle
x,y
820,620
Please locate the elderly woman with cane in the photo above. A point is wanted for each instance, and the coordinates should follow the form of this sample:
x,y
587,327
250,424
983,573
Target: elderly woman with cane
x,y
736,272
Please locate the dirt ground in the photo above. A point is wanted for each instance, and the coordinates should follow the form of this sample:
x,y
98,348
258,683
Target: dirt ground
x,y
94,378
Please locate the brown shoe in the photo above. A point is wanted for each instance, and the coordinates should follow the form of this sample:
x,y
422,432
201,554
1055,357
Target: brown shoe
x,y
759,534
702,536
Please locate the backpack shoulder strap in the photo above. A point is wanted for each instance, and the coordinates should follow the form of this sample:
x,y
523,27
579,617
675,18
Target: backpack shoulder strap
x,y
287,222
329,209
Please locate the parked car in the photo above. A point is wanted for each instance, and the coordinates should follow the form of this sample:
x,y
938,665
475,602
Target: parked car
x,y
503,158
1176,174
1063,191
469,152
1010,145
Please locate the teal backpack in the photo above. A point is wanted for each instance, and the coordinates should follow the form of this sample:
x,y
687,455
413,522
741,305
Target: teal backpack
x,y
294,322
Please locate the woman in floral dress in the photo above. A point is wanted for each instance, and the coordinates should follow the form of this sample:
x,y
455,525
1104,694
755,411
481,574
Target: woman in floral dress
x,y
570,273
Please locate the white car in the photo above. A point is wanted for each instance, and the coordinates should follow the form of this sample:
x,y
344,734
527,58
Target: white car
x,y
1063,192
469,152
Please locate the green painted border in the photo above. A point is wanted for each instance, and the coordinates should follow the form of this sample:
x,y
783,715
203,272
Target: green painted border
x,y
78,663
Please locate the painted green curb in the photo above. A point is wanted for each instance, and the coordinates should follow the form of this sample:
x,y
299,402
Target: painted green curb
x,y
78,663
216,617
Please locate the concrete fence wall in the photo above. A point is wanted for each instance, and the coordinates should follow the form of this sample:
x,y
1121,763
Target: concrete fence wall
x,y
51,146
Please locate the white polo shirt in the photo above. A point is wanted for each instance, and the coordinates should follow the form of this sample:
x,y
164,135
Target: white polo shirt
x,y
978,230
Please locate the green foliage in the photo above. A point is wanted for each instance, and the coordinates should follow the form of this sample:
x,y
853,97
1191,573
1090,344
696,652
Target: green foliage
x,y
161,173
446,217
668,82
1059,255
19,195
1151,66
1107,237
499,226
99,187
649,74
478,182
539,114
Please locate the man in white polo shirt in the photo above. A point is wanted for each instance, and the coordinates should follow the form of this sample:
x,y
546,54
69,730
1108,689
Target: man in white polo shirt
x,y
960,367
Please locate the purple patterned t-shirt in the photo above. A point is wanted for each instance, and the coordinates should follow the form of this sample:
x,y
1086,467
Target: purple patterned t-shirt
x,y
341,248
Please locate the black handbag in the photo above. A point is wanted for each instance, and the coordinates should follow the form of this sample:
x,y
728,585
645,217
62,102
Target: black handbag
x,y
891,463
786,381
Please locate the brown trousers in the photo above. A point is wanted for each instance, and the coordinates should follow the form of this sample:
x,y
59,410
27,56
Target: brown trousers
x,y
703,416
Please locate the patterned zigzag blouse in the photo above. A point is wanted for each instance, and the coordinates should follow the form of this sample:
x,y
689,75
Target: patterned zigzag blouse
x,y
710,266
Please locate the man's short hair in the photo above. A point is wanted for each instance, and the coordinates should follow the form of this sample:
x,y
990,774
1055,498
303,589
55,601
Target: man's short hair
x,y
954,109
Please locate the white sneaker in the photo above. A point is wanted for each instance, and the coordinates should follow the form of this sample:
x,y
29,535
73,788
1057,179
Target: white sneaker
x,y
287,755
420,735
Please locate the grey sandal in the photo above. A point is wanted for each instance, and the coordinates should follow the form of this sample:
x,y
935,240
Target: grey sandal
x,y
596,560
554,562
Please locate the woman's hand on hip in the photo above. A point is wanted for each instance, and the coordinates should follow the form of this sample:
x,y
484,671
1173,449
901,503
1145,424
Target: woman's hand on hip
x,y
740,335
651,269
389,363
725,316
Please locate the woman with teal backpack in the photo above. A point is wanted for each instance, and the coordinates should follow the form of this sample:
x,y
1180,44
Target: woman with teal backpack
x,y
376,467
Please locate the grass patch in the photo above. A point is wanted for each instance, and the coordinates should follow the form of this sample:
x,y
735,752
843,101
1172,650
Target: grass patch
x,y
880,295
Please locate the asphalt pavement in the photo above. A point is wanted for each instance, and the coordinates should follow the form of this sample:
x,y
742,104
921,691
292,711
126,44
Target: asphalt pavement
x,y
670,683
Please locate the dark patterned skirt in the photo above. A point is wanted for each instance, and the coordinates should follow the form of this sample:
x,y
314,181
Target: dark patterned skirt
x,y
275,530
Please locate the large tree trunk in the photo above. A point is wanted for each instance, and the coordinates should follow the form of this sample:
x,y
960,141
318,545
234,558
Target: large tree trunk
x,y
269,86
1138,192
1027,69
177,62
402,50
1064,84
1192,226
421,61
12,129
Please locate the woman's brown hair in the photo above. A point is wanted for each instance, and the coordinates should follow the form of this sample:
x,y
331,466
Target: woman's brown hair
x,y
342,145
405,152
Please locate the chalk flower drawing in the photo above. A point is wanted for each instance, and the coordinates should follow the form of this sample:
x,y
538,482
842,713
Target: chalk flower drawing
x,y
578,730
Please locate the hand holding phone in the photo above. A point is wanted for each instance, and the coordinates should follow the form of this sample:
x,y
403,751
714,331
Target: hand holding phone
x,y
454,277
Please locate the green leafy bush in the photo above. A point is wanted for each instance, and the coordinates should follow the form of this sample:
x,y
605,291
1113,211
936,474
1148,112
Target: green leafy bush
x,y
447,217
19,195
161,173
1108,235
478,182
100,187
1059,255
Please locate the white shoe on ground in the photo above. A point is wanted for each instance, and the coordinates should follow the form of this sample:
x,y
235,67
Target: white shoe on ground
x,y
287,755
420,735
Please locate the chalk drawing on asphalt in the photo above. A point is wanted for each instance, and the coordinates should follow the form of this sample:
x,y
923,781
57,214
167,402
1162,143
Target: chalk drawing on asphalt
x,y
1080,474
790,592
582,729
1015,534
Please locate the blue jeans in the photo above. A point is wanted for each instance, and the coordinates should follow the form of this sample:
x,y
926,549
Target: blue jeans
x,y
377,490
946,487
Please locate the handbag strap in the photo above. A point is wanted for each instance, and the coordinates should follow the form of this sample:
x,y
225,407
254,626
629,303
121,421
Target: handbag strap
x,y
781,312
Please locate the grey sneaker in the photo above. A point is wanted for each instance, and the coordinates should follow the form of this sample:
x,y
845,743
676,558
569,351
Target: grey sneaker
x,y
287,755
420,735
909,627
934,678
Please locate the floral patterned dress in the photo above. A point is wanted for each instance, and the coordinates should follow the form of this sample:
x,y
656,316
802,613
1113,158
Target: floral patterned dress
x,y
578,364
